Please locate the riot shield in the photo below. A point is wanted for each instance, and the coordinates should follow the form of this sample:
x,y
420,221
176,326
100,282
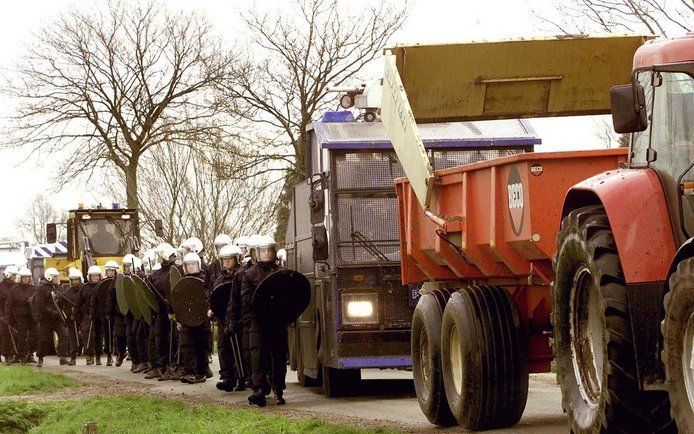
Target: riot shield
x,y
102,290
188,301
141,296
173,278
120,294
280,298
219,299
143,290
131,297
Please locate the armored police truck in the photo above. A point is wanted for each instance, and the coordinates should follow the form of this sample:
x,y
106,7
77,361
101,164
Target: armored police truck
x,y
343,236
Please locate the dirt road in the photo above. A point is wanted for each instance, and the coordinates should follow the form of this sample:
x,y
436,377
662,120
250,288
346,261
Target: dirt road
x,y
384,398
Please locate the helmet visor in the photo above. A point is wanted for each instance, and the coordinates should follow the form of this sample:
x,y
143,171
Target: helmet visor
x,y
192,267
266,253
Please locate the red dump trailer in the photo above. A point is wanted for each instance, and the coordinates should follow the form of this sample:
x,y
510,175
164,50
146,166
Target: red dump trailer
x,y
490,231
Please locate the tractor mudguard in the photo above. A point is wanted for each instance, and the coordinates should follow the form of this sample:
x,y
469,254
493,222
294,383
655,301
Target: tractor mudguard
x,y
636,208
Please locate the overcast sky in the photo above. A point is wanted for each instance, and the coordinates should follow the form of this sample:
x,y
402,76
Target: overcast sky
x,y
428,21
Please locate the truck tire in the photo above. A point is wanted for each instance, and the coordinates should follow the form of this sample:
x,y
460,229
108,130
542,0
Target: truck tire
x,y
340,382
426,357
594,352
678,334
484,358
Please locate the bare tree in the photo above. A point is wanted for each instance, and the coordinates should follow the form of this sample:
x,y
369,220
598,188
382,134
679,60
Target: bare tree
x,y
656,17
37,215
182,187
606,135
294,57
109,85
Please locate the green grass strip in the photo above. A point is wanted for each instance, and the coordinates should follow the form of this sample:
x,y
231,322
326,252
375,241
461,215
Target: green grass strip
x,y
15,380
144,415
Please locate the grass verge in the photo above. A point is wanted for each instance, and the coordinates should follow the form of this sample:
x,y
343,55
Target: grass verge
x,y
145,415
15,380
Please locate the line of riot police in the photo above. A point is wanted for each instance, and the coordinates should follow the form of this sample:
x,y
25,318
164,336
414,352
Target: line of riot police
x,y
159,310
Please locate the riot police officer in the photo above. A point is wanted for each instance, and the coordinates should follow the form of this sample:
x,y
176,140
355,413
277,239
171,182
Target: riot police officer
x,y
50,319
163,362
229,335
102,312
68,302
268,345
6,339
83,312
194,344
19,314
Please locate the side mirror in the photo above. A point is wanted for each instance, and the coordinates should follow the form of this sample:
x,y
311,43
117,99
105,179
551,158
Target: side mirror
x,y
159,228
316,199
320,243
51,233
628,108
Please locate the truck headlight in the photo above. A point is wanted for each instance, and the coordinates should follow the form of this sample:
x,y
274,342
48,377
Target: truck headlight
x,y
359,309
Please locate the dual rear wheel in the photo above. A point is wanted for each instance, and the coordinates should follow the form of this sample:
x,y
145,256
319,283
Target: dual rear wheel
x,y
469,358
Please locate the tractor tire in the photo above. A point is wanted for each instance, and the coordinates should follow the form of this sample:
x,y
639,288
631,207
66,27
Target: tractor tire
x,y
594,352
484,358
426,358
678,335
340,382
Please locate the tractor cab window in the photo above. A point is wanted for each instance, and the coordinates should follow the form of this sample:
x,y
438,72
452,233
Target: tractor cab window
x,y
107,237
670,132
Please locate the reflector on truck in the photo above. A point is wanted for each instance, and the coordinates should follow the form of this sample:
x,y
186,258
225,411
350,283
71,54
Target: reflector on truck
x,y
569,76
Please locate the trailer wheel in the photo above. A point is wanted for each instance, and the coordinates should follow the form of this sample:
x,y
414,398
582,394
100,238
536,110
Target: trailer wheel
x,y
596,365
339,382
484,358
678,350
426,358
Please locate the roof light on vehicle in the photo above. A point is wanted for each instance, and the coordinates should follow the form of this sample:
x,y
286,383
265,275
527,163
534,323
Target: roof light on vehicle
x,y
86,217
125,217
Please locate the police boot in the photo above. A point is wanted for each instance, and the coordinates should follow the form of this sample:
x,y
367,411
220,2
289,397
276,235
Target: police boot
x,y
109,360
30,359
225,385
40,363
139,368
119,359
90,360
154,373
73,361
63,361
166,376
208,372
240,385
279,400
98,361
189,379
257,398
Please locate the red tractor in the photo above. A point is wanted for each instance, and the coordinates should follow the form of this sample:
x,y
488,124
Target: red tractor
x,y
502,292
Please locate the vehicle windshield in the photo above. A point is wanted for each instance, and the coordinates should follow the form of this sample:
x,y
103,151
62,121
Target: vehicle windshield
x,y
107,236
670,104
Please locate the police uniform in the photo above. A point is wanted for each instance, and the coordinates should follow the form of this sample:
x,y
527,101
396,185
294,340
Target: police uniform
x,y
6,347
163,360
101,321
19,315
84,318
268,345
49,321
194,346
67,299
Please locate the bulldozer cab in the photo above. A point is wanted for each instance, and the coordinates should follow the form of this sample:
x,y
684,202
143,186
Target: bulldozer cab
x,y
657,109
95,236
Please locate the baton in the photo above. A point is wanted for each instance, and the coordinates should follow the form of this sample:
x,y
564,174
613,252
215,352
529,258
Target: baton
x,y
89,336
14,344
110,344
238,350
171,326
237,362
77,334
